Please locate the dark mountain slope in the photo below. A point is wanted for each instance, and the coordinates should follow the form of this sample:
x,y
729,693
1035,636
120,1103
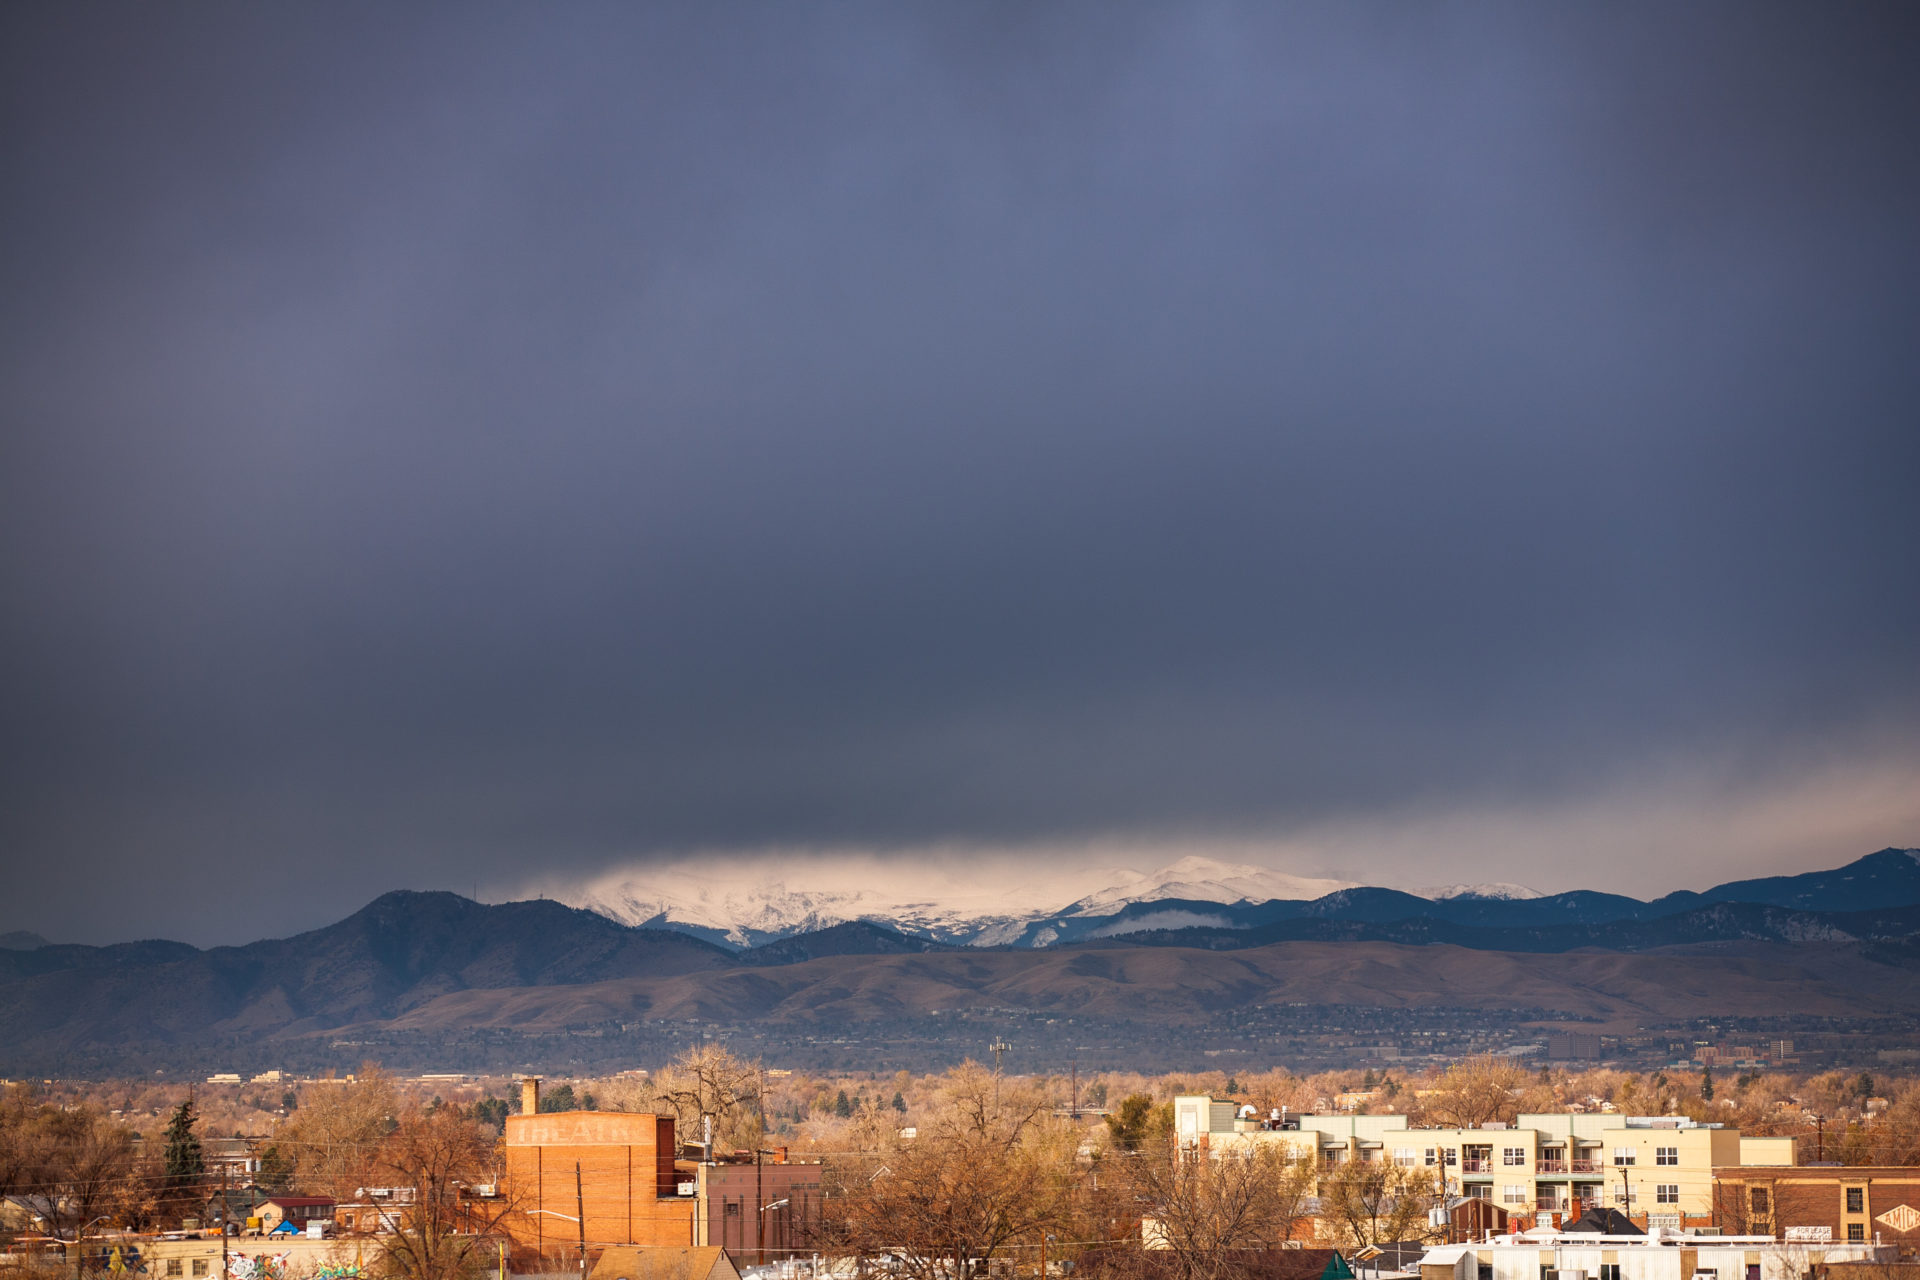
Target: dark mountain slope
x,y
397,952
1717,922
854,938
1889,878
1175,986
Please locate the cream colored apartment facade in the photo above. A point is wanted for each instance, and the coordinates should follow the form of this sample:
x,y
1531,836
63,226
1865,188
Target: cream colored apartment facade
x,y
1660,1166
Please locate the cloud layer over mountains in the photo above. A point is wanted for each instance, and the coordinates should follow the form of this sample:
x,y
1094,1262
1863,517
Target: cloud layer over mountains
x,y
455,448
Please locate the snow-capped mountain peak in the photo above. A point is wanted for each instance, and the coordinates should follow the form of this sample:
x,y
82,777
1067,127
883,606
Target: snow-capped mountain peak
x,y
743,906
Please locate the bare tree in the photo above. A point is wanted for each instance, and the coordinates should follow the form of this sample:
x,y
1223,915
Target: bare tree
x,y
1202,1210
983,1176
708,1080
1475,1091
335,1138
440,1156
1367,1202
72,1167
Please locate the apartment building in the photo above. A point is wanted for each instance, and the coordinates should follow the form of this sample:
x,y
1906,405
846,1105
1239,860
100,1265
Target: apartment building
x,y
1661,1167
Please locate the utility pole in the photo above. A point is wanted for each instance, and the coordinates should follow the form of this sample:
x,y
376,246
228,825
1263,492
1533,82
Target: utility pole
x,y
999,1047
580,1207
760,1211
226,1209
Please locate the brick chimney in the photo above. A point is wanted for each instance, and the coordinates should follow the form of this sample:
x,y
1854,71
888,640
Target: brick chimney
x,y
530,1095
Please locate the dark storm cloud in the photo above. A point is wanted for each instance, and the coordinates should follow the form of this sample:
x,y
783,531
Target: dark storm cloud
x,y
441,443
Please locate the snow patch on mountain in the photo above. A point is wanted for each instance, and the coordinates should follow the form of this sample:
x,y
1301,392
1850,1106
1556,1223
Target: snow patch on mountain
x,y
1201,879
1162,920
1499,889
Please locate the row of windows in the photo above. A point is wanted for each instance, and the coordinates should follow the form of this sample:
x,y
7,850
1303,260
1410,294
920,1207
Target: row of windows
x,y
200,1267
1663,1193
1661,1155
1515,1157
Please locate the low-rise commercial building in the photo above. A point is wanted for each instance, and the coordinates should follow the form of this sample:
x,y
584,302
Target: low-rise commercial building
x,y
1547,1255
1821,1203
612,1178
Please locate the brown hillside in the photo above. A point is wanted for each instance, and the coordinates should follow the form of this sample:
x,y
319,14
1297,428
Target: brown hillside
x,y
1175,985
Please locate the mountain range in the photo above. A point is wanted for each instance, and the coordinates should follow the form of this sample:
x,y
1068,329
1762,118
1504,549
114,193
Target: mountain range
x,y
1194,893
1844,942
743,911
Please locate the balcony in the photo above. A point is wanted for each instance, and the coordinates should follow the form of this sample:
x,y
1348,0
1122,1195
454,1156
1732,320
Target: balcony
x,y
1551,1166
1593,1167
1476,1165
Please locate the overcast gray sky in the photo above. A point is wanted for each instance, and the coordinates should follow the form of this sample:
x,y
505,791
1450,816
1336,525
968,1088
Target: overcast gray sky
x,y
449,444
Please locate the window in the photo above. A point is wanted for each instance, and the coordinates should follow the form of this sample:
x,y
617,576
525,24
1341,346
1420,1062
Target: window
x,y
1453,1157
1623,1155
1758,1201
1513,1155
733,1211
173,1267
1609,1271
1480,1191
1433,1157
1856,1199
1666,1155
1666,1193
1406,1157
1856,1232
200,1266
1623,1196
1513,1195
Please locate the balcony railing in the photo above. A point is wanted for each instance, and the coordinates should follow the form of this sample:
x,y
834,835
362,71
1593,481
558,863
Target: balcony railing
x,y
1476,1166
1551,1166
1586,1166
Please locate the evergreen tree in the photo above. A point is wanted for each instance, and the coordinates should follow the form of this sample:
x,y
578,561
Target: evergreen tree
x,y
899,1103
1706,1083
186,1162
559,1099
842,1107
276,1169
492,1112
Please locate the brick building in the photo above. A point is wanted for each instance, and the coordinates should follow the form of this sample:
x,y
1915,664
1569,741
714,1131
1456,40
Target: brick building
x,y
611,1172
616,1174
1816,1203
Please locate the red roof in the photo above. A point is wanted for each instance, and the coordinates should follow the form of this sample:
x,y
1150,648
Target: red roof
x,y
298,1202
